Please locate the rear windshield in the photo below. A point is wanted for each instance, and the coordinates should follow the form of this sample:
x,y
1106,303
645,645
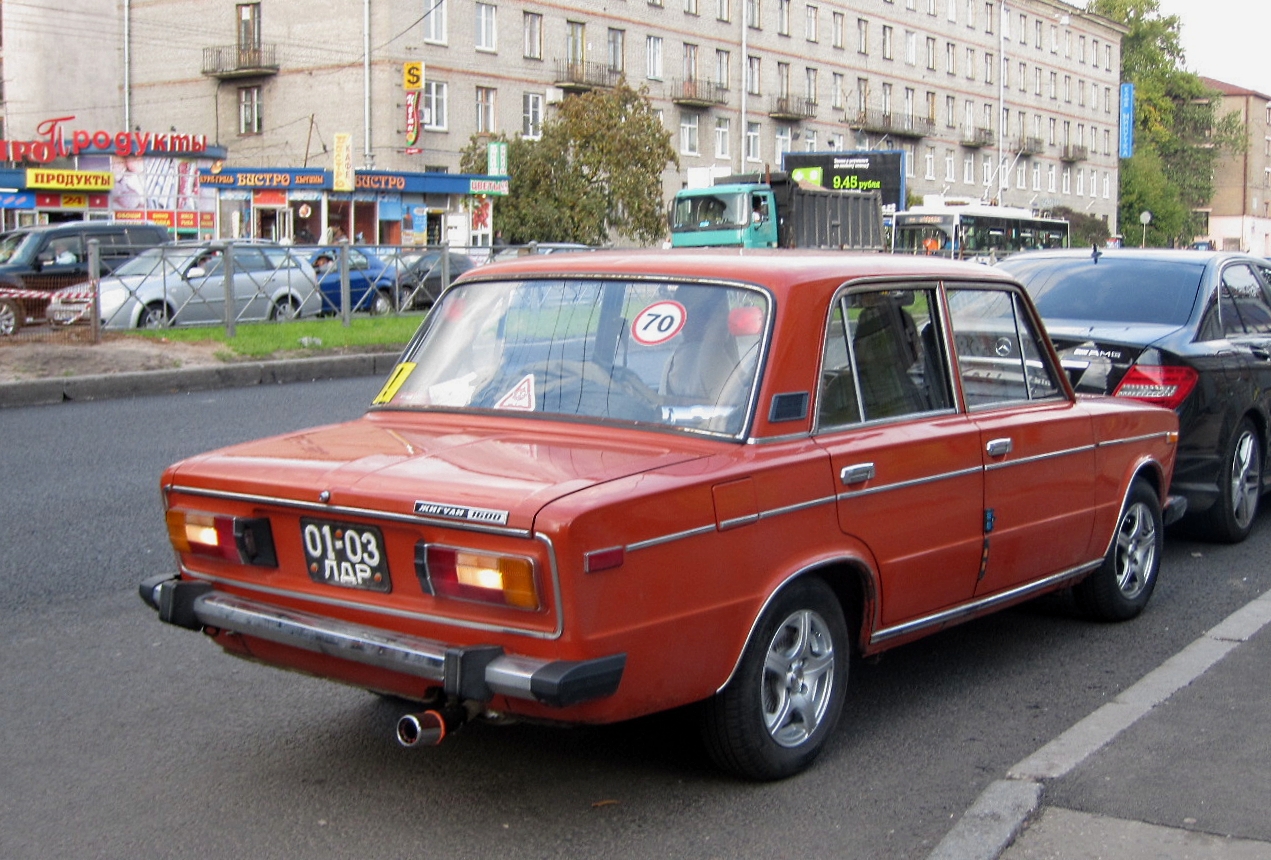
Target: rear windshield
x,y
1116,289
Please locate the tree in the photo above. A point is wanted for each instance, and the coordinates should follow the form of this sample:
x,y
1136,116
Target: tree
x,y
595,172
1085,229
1179,136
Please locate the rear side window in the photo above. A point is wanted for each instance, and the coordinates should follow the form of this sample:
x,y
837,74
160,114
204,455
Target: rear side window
x,y
1001,357
1114,289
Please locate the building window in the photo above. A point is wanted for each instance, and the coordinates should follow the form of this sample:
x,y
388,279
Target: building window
x,y
950,111
723,70
886,42
752,14
886,99
249,34
988,18
836,91
811,23
783,139
532,25
616,43
862,36
249,111
434,106
951,58
835,143
838,24
988,68
953,11
950,166
688,134
653,58
690,7
968,170
689,67
810,85
485,35
783,17
929,163
862,95
970,62
723,10
485,110
931,53
752,75
575,42
532,116
435,22
783,80
752,141
809,141
911,47
723,137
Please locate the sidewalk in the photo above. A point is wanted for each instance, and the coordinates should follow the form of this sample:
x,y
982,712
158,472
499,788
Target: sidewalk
x,y
36,392
1176,767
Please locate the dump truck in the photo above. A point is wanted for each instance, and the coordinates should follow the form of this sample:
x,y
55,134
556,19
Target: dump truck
x,y
774,211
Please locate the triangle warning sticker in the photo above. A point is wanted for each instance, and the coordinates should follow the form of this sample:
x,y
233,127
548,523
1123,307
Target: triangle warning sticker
x,y
520,397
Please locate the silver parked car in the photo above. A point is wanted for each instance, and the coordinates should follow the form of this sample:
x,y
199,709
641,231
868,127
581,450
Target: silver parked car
x,y
184,284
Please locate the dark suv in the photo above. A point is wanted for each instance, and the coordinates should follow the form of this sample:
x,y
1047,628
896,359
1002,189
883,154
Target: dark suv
x,y
34,261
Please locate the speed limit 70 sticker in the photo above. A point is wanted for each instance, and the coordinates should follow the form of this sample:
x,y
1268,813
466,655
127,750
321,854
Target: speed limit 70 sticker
x,y
658,323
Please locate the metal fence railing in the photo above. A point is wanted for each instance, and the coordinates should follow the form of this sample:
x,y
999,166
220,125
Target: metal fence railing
x,y
228,282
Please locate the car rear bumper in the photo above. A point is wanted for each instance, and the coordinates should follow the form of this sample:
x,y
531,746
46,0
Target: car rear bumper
x,y
469,672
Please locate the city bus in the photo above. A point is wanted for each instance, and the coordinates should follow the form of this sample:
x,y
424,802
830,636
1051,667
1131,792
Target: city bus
x,y
974,230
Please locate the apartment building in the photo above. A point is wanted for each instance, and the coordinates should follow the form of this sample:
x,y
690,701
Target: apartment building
x,y
1013,102
1239,215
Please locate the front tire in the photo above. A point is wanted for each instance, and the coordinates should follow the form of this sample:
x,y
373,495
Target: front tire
x,y
1122,586
154,315
774,717
1231,517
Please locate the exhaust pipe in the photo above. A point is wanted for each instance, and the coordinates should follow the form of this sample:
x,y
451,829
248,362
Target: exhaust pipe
x,y
426,729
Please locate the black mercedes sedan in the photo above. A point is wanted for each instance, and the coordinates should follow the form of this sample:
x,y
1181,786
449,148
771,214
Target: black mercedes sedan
x,y
1188,330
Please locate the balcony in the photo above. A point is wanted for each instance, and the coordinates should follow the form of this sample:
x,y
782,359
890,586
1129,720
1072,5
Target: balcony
x,y
791,109
1071,153
580,76
977,137
1029,145
885,122
698,93
240,61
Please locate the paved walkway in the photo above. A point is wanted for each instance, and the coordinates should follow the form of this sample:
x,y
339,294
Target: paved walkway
x,y
1177,767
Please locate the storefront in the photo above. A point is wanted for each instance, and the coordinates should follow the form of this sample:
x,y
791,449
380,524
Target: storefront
x,y
385,208
71,174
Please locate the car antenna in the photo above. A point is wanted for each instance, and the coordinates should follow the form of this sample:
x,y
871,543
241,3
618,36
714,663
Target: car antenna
x,y
1095,253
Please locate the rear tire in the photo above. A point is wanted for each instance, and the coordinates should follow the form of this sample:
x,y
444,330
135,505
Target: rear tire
x,y
381,304
783,702
1231,517
1123,584
10,317
286,310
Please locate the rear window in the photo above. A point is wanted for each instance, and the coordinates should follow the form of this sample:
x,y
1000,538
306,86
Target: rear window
x,y
1115,289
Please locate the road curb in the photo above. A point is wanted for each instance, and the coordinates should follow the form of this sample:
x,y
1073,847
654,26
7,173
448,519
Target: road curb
x,y
39,392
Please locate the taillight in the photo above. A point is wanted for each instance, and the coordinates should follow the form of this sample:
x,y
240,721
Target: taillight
x,y
507,580
237,539
1166,386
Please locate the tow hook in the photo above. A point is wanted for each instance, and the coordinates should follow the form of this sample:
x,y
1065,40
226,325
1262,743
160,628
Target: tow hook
x,y
430,727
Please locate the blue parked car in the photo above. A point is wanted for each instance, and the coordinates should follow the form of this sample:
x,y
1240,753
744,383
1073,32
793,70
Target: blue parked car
x,y
372,282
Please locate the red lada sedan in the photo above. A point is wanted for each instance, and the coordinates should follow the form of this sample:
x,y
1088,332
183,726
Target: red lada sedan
x,y
602,485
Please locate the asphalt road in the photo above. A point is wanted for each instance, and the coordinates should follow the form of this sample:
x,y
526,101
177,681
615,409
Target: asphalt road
x,y
121,737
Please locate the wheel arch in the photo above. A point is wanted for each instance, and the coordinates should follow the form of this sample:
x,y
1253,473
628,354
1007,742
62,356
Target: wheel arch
x,y
852,580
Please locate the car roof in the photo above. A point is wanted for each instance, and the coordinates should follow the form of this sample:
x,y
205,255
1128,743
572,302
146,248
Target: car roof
x,y
777,269
1182,255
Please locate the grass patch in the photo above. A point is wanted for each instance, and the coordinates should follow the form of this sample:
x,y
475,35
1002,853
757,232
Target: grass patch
x,y
254,340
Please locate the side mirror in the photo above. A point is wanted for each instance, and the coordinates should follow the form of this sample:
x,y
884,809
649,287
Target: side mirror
x,y
196,272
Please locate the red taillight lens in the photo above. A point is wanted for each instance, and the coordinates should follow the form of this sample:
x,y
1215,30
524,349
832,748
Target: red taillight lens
x,y
1163,386
470,575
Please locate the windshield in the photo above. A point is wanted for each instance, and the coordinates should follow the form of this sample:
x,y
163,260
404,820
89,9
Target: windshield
x,y
679,355
1116,289
711,211
16,247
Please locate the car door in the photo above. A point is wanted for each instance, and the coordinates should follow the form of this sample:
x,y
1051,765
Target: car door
x,y
1036,442
906,462
253,284
59,263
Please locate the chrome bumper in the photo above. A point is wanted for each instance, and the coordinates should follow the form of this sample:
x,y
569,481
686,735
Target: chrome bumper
x,y
476,672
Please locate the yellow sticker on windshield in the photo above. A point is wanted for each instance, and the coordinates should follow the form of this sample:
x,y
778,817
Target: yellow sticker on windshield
x,y
399,375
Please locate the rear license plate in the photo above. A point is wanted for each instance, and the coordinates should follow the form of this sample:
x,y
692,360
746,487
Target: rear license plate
x,y
345,554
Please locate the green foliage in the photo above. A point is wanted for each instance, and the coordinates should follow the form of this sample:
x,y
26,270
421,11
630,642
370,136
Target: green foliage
x,y
1179,136
596,170
1085,229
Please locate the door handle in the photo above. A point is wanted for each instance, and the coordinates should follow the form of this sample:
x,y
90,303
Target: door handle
x,y
857,473
999,447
